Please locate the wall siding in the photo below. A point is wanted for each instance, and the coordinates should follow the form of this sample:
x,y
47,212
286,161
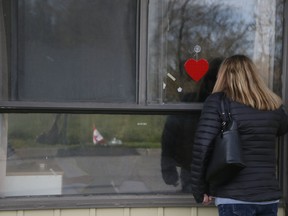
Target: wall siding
x,y
200,211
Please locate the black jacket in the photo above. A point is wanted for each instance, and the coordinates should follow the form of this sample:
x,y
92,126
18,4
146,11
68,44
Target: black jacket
x,y
258,132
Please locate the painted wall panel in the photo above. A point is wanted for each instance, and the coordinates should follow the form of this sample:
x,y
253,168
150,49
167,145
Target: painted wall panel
x,y
177,211
146,211
8,213
75,212
36,213
110,212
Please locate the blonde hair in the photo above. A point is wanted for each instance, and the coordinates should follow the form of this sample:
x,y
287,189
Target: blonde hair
x,y
240,81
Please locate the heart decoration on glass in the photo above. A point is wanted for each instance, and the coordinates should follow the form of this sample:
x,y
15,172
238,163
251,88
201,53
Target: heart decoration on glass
x,y
196,69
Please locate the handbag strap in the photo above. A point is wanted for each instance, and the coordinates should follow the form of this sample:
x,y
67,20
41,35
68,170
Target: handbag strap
x,y
225,115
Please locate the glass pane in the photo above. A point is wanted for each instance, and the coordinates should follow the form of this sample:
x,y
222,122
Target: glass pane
x,y
95,154
221,28
73,50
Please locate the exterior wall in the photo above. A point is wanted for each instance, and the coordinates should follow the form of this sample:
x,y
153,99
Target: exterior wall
x,y
200,211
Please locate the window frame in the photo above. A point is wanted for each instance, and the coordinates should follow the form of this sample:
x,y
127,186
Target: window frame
x,y
141,107
284,148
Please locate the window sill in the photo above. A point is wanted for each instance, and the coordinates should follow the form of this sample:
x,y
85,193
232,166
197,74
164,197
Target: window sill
x,y
99,201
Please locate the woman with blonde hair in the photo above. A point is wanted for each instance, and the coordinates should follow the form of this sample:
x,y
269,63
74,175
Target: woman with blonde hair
x,y
261,119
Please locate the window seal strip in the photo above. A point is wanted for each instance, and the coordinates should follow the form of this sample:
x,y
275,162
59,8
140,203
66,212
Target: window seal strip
x,y
91,107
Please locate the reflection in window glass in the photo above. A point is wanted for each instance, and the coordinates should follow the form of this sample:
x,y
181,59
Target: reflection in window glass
x,y
50,154
73,50
221,28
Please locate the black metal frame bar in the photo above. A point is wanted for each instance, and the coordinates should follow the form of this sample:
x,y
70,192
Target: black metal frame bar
x,y
284,148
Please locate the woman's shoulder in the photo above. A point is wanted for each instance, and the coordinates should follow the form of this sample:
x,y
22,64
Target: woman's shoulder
x,y
282,111
212,101
214,97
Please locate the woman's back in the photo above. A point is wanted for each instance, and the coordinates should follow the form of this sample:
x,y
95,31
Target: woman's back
x,y
259,131
261,119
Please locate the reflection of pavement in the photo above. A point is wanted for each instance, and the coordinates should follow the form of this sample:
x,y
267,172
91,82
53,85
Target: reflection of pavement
x,y
138,173
96,151
130,173
73,177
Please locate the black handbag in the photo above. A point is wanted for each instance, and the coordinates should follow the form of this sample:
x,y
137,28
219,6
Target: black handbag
x,y
226,160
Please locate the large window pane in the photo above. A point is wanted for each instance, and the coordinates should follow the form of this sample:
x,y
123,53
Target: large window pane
x,y
71,50
52,154
221,28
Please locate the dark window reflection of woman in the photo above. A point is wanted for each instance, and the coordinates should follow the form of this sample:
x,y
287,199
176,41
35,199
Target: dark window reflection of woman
x,y
178,135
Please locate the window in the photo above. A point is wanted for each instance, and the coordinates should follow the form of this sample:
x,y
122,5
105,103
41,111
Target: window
x,y
75,51
97,154
92,107
57,52
220,28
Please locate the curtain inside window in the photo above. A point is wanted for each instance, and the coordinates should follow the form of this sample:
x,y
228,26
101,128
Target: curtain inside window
x,y
3,57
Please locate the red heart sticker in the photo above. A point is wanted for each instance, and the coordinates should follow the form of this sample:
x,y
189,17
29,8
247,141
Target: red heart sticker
x,y
196,69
